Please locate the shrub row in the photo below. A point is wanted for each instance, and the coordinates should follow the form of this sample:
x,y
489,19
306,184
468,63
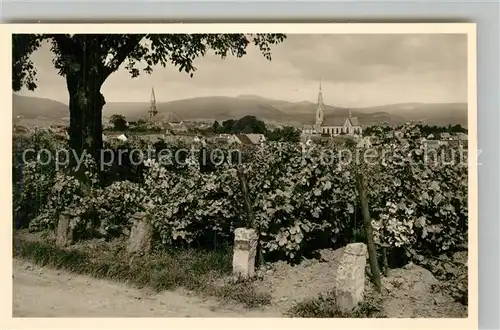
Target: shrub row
x,y
301,195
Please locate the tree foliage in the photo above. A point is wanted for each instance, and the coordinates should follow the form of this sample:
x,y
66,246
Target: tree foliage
x,y
244,125
109,51
301,195
216,127
284,134
425,129
87,60
249,124
119,122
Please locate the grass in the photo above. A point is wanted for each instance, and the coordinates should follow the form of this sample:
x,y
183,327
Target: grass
x,y
325,306
193,269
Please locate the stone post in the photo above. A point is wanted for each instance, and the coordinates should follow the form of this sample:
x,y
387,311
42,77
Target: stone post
x,y
245,249
64,231
140,235
350,277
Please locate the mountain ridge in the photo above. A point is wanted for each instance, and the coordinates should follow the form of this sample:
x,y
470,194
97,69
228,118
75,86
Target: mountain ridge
x,y
33,109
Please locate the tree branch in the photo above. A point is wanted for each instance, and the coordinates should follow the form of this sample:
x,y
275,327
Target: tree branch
x,y
122,53
66,44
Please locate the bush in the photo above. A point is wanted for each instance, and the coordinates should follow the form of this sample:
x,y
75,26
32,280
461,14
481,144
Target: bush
x,y
31,192
299,194
325,306
31,179
417,202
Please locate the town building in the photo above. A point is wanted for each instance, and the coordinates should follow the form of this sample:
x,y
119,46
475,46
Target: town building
x,y
246,139
169,122
459,140
461,136
18,129
445,136
332,125
256,138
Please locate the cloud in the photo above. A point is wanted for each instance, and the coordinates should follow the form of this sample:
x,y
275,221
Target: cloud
x,y
364,58
356,70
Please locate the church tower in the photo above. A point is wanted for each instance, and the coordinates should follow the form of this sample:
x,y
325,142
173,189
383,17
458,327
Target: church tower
x,y
152,106
320,109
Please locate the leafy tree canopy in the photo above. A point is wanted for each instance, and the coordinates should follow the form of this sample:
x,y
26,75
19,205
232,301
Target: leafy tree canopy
x,y
246,124
87,60
107,52
285,134
119,122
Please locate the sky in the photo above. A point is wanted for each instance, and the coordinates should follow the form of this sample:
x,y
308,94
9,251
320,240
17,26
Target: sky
x,y
355,70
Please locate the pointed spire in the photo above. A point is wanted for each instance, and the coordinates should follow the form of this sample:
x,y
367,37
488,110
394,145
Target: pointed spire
x,y
153,98
320,107
350,114
320,95
152,108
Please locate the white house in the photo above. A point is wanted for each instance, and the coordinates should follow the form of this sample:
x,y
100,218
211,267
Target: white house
x,y
122,137
256,138
233,139
446,136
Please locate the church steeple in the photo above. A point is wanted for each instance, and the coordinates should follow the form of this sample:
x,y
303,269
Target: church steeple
x,y
320,107
152,105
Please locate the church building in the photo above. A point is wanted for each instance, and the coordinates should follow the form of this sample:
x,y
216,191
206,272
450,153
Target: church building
x,y
332,125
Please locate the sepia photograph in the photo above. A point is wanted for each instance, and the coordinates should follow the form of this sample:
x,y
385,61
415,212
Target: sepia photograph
x,y
243,175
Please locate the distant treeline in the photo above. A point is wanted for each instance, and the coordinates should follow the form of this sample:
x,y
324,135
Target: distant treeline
x,y
425,129
252,125
244,125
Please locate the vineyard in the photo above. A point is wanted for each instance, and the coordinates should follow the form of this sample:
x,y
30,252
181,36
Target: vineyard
x,y
304,197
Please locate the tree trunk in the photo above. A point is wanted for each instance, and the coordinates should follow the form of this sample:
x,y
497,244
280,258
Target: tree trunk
x,y
367,225
85,107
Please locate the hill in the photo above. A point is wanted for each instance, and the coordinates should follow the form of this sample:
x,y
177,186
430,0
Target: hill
x,y
33,110
214,108
439,114
36,111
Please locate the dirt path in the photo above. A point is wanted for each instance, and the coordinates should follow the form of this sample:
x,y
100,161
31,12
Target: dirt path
x,y
46,292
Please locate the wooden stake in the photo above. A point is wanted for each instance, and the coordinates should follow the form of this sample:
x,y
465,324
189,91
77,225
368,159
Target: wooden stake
x,y
246,198
385,268
367,225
